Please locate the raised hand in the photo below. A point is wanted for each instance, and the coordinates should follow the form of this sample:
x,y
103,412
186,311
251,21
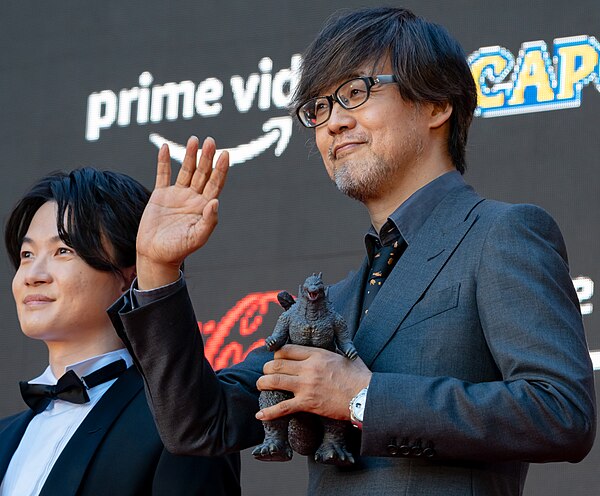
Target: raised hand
x,y
179,218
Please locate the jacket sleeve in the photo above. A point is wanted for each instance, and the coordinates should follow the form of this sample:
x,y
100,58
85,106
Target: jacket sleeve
x,y
197,410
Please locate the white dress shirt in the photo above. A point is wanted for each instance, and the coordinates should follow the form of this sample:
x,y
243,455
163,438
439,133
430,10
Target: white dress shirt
x,y
49,431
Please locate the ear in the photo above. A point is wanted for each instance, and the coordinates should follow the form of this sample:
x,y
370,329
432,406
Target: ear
x,y
129,274
440,113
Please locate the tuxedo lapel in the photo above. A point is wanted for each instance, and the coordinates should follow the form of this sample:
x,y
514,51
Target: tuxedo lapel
x,y
11,434
427,254
68,471
347,297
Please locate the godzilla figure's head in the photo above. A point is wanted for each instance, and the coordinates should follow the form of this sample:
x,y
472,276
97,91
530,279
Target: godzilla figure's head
x,y
313,288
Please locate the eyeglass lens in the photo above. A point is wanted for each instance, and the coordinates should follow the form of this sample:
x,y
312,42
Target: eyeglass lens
x,y
353,93
350,95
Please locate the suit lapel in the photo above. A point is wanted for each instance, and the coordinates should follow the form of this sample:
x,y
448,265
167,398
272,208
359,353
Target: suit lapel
x,y
347,297
11,434
439,237
68,471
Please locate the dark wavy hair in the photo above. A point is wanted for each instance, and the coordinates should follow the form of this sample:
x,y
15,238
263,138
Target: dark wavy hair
x,y
98,216
429,64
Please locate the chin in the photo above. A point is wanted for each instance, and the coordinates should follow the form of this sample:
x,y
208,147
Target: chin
x,y
38,330
354,189
38,335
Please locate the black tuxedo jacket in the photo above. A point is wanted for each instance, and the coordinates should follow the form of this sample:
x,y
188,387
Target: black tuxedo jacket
x,y
117,451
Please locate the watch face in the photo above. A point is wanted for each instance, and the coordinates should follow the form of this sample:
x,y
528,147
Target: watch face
x,y
359,406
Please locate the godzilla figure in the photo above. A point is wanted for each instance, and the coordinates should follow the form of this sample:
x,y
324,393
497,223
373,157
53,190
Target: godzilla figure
x,y
310,321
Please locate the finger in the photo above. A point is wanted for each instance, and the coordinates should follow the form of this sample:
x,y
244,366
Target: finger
x,y
217,177
278,381
288,367
297,352
163,168
210,217
204,169
286,407
188,166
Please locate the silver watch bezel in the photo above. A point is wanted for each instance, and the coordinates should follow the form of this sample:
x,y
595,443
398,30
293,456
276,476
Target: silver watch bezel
x,y
357,408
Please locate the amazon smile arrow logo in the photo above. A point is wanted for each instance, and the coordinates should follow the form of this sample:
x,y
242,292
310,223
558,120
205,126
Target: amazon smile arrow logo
x,y
278,131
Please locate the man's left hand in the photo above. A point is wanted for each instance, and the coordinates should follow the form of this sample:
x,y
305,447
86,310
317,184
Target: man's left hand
x,y
322,382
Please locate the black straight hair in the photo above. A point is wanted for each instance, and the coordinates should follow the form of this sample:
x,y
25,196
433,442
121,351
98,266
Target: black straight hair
x,y
429,64
98,216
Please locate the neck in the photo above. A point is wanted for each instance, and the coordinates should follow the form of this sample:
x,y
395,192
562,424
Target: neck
x,y
63,354
402,188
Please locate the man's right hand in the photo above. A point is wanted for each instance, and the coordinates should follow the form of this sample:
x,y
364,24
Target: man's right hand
x,y
179,219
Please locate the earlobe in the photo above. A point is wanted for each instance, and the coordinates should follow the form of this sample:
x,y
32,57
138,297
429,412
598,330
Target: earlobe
x,y
440,113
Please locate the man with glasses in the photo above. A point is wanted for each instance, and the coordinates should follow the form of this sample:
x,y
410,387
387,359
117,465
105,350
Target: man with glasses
x,y
473,360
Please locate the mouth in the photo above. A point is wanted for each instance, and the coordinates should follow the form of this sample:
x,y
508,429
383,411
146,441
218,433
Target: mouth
x,y
37,299
341,149
313,295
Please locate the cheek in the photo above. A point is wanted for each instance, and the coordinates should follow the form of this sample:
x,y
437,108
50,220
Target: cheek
x,y
323,141
17,284
106,290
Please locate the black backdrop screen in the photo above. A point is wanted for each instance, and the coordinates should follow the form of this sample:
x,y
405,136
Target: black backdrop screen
x,y
105,83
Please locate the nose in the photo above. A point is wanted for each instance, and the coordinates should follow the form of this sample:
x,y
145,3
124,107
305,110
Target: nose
x,y
340,120
36,271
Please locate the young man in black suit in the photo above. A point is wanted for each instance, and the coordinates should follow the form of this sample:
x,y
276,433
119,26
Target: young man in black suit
x,y
88,430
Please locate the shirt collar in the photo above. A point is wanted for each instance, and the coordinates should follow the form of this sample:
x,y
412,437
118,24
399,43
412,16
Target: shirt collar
x,y
409,217
85,367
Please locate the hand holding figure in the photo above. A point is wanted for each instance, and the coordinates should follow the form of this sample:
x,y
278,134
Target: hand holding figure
x,y
322,382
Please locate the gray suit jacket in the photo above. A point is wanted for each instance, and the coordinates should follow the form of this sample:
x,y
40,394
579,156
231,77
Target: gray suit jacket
x,y
477,348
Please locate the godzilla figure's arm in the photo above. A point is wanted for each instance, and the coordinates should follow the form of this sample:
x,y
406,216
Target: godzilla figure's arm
x,y
342,337
280,334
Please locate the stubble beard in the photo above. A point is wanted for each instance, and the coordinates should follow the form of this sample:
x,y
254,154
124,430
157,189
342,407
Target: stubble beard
x,y
363,181
371,178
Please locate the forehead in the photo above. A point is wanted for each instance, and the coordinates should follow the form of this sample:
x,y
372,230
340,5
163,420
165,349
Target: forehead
x,y
43,222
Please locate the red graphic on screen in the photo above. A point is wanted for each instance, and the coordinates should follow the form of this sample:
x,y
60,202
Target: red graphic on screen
x,y
221,347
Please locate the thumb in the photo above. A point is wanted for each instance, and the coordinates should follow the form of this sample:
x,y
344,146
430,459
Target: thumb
x,y
210,214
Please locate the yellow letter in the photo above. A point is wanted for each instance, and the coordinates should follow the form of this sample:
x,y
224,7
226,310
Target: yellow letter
x,y
584,56
531,71
494,64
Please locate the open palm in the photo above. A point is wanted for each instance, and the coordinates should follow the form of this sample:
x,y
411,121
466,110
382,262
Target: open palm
x,y
180,218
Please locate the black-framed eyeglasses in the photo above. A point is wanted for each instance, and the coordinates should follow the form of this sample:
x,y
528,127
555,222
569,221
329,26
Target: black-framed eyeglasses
x,y
351,94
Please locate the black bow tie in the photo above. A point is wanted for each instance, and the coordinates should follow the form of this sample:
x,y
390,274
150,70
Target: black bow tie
x,y
69,387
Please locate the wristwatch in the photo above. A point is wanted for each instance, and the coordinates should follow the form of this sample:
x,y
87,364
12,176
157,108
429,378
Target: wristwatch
x,y
357,408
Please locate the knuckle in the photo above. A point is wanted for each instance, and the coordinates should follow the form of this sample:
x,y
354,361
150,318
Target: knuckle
x,y
284,408
277,381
